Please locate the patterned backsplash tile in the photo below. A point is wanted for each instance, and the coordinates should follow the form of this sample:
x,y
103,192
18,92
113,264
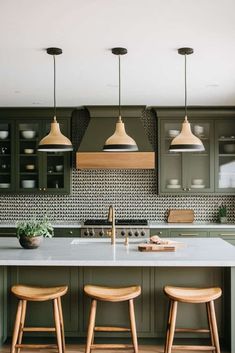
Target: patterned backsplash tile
x,y
132,192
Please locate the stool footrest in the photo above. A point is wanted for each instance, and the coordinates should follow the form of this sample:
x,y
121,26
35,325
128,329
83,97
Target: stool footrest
x,y
39,329
111,346
193,348
32,346
112,329
192,330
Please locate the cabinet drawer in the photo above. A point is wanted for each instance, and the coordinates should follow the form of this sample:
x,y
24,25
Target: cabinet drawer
x,y
160,232
67,232
223,234
7,232
188,233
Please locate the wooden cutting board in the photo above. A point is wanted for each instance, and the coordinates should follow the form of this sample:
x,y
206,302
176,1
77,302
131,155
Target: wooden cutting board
x,y
180,216
156,247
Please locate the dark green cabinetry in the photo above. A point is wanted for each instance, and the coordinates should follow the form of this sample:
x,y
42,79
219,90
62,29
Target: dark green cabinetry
x,y
67,232
229,236
210,171
22,168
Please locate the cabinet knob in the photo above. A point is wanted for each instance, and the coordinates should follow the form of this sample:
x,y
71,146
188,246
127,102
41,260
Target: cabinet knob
x,y
44,189
184,189
159,233
70,232
188,189
40,189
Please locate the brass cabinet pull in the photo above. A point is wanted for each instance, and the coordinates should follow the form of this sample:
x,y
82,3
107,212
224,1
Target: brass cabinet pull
x,y
184,189
159,233
40,189
188,189
188,234
70,232
44,189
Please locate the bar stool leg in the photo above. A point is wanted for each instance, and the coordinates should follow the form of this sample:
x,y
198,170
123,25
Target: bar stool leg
x,y
91,325
22,321
57,325
172,326
61,323
214,326
168,326
210,325
16,326
133,325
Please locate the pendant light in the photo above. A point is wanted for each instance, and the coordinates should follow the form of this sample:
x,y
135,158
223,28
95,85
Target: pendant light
x,y
186,141
55,141
120,141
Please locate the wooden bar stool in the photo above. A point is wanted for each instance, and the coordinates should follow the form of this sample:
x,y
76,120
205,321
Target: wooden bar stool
x,y
192,296
108,294
38,294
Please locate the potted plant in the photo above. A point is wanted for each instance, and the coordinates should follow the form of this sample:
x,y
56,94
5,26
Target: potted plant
x,y
30,233
223,214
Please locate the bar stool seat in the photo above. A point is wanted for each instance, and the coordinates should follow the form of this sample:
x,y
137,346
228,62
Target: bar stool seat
x,y
192,296
27,294
38,293
111,294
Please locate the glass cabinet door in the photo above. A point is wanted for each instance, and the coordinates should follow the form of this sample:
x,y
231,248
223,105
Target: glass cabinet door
x,y
56,176
189,172
171,163
28,171
198,166
6,156
225,156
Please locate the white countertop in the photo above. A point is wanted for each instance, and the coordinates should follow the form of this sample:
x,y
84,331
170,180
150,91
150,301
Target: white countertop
x,y
55,225
200,252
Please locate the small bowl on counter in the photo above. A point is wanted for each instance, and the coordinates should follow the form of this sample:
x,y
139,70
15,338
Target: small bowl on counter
x,y
4,134
28,134
28,184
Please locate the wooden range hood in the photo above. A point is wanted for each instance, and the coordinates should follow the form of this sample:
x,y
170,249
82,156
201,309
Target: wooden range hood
x,y
90,154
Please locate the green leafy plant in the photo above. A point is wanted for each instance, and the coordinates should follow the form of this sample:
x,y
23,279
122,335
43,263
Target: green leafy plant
x,y
34,228
222,211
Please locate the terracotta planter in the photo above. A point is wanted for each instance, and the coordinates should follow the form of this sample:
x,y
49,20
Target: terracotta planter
x,y
30,242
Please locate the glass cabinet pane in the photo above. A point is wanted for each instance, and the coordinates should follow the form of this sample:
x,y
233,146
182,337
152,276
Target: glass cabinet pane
x,y
225,135
28,164
5,156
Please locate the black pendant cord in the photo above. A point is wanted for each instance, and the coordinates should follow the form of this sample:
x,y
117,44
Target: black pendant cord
x,y
185,84
119,83
54,86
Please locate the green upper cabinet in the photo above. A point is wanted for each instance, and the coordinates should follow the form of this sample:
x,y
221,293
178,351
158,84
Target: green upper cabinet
x,y
22,168
210,171
186,173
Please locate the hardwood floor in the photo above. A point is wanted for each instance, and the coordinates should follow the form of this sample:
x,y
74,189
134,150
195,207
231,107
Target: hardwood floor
x,y
75,348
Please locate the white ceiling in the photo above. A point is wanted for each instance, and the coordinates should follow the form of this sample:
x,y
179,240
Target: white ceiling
x,y
86,30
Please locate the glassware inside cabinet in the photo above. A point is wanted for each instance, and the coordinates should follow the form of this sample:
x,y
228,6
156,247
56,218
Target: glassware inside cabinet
x,y
5,156
28,134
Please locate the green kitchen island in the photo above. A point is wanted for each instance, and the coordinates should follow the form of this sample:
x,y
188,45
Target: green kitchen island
x,y
75,261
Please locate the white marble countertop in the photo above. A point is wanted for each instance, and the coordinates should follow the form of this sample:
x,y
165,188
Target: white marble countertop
x,y
55,225
200,252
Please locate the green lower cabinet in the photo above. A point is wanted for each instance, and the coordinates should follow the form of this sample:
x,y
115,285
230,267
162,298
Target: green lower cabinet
x,y
116,314
160,232
7,232
3,304
67,232
188,233
229,236
40,313
189,315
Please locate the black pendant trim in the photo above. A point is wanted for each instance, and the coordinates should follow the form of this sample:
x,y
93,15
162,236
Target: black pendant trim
x,y
119,51
54,147
120,147
185,51
54,51
184,147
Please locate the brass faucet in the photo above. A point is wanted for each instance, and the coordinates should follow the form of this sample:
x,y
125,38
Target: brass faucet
x,y
111,218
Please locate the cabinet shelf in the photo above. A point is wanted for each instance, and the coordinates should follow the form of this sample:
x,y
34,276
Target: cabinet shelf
x,y
5,140
28,140
227,139
227,155
55,173
28,173
5,173
28,155
5,155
